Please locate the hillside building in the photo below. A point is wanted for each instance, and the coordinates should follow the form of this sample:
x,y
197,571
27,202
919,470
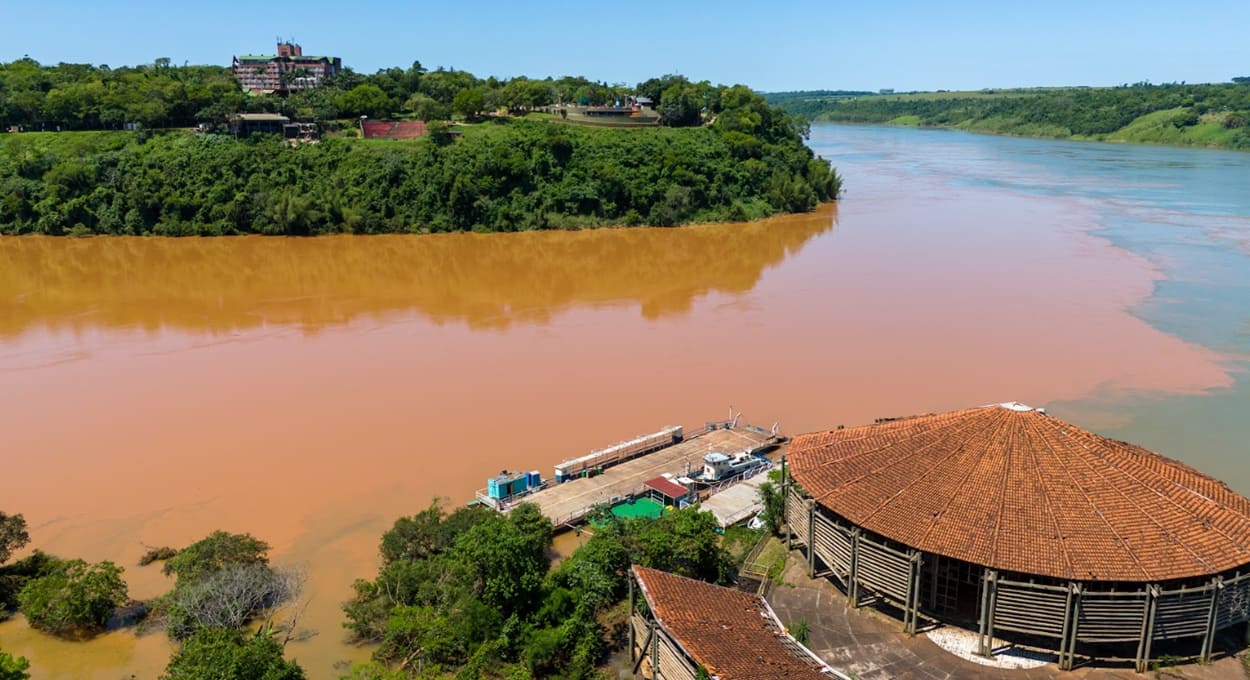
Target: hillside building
x,y
290,70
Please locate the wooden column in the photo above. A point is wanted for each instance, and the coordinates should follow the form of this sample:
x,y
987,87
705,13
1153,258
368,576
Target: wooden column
x,y
911,611
785,502
852,580
1071,628
811,538
1147,628
1208,641
985,617
989,620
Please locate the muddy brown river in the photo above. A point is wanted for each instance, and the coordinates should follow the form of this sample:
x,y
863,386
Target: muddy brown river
x,y
309,391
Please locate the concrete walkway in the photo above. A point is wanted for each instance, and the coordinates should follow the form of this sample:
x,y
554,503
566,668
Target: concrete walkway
x,y
872,646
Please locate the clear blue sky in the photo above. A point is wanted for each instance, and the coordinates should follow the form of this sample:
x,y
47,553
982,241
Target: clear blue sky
x,y
769,45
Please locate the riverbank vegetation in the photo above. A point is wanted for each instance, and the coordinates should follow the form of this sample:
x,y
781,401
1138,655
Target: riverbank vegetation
x,y
223,607
515,175
1208,115
473,593
723,155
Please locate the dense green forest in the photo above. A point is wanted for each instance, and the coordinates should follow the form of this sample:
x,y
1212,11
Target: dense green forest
x,y
723,154
36,97
473,593
503,176
1215,115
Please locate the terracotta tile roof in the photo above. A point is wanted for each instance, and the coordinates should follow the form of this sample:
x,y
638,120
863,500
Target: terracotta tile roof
x,y
1014,489
734,635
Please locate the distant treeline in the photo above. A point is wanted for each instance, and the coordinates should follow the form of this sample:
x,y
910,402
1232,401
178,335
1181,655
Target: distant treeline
x,y
1213,115
508,175
35,97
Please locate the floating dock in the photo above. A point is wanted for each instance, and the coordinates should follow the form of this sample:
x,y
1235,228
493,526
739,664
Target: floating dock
x,y
567,504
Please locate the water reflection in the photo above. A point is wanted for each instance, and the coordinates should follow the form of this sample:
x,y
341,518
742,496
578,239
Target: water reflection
x,y
486,280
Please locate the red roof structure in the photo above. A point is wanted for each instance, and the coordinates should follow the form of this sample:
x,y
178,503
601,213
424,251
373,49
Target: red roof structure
x,y
390,129
734,635
666,487
1011,488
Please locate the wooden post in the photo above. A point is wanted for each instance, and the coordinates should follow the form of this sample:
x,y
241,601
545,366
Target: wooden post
x,y
1208,641
1147,628
852,580
1074,628
989,619
983,614
811,538
785,503
911,611
645,643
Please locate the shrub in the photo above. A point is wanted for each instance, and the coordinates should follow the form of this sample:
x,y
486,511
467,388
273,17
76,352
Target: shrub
x,y
157,555
216,653
75,599
13,669
214,552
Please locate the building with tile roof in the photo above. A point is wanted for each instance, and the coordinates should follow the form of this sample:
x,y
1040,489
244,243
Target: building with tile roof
x,y
1014,521
732,635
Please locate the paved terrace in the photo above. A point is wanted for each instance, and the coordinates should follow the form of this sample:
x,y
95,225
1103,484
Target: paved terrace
x,y
568,502
873,647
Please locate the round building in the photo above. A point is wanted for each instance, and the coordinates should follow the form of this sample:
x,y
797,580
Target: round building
x,y
1020,526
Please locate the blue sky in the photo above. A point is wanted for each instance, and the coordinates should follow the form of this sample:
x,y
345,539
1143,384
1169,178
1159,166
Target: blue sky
x,y
798,44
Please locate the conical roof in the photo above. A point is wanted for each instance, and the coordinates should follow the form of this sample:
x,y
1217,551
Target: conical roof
x,y
1012,488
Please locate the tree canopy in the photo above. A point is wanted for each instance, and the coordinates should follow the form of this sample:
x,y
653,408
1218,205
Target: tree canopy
x,y
13,535
217,654
13,669
214,552
1171,113
75,599
511,176
474,590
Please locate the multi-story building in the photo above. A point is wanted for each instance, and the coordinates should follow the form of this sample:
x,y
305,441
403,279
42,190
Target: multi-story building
x,y
290,70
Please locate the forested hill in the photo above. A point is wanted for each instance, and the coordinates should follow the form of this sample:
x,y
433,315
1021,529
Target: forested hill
x,y
504,175
719,154
1213,115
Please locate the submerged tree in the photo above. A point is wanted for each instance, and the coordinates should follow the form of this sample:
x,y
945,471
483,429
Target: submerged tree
x,y
229,655
75,599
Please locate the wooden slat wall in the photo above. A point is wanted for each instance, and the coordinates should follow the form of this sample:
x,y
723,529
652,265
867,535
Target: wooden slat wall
x,y
1234,604
1030,608
1111,617
1182,613
833,545
796,511
883,569
673,662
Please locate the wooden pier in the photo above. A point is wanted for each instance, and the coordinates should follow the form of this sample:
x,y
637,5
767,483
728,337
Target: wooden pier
x,y
567,504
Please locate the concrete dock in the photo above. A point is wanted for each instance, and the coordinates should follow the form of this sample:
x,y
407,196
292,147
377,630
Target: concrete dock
x,y
566,504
